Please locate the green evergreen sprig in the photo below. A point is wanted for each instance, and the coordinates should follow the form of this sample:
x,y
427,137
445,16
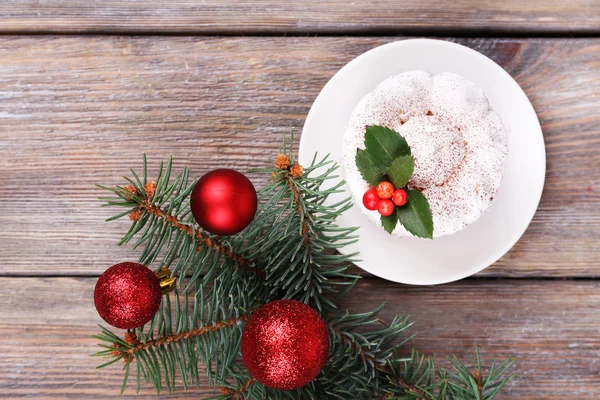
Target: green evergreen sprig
x,y
288,251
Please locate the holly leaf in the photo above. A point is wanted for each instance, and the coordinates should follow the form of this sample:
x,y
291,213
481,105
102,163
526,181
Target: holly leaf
x,y
383,145
389,222
400,170
415,216
369,173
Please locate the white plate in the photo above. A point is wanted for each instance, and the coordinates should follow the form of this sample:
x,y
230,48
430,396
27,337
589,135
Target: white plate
x,y
448,258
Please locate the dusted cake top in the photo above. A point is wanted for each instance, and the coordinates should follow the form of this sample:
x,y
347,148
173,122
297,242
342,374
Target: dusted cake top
x,y
457,141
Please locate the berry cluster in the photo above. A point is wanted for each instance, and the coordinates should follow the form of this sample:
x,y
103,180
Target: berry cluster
x,y
384,198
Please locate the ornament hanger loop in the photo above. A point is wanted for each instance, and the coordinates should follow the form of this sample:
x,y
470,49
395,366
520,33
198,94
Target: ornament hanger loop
x,y
165,280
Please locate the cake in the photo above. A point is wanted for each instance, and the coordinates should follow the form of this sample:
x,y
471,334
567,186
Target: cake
x,y
458,144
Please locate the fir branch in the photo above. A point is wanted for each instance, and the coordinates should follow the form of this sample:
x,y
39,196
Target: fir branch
x,y
292,239
203,239
179,343
305,231
237,393
294,234
356,366
138,346
162,217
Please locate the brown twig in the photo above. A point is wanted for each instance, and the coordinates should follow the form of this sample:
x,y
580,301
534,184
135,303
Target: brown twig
x,y
479,378
203,238
138,346
284,163
299,210
237,394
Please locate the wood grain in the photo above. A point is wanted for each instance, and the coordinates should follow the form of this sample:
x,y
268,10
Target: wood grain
x,y
299,17
550,326
77,111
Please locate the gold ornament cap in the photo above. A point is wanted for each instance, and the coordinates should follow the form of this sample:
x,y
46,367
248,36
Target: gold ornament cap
x,y
165,280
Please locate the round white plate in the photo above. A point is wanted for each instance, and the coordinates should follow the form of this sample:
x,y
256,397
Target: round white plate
x,y
448,258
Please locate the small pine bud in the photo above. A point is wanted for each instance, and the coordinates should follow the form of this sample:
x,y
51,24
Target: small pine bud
x,y
130,189
297,171
116,352
150,189
135,215
130,338
282,161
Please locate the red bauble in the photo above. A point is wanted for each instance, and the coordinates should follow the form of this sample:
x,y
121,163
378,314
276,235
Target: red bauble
x,y
285,344
127,295
386,208
371,199
224,202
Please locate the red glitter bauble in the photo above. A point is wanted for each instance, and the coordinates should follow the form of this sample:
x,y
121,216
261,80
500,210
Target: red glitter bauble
x,y
127,295
285,344
224,202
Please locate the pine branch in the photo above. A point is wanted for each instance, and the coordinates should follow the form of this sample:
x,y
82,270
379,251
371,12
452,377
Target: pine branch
x,y
465,385
294,234
420,379
356,366
164,225
203,239
237,393
288,251
185,335
300,211
179,343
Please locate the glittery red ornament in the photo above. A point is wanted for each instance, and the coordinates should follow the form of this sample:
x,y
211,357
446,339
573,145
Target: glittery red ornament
x,y
127,295
285,344
224,202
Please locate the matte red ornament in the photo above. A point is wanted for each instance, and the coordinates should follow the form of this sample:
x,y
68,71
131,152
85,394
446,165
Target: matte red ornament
x,y
127,295
224,202
285,344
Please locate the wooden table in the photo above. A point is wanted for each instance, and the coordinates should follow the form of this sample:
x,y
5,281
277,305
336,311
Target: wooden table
x,y
86,87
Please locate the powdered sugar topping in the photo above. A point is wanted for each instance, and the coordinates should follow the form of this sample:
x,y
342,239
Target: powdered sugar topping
x,y
458,143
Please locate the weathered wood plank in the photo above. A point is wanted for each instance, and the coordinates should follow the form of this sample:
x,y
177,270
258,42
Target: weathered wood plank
x,y
550,326
77,111
306,16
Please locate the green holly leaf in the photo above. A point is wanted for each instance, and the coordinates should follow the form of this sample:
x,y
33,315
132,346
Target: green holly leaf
x,y
369,173
383,145
389,222
415,216
400,170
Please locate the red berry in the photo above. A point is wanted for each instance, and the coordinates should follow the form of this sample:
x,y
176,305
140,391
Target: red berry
x,y
371,199
399,197
386,208
385,190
